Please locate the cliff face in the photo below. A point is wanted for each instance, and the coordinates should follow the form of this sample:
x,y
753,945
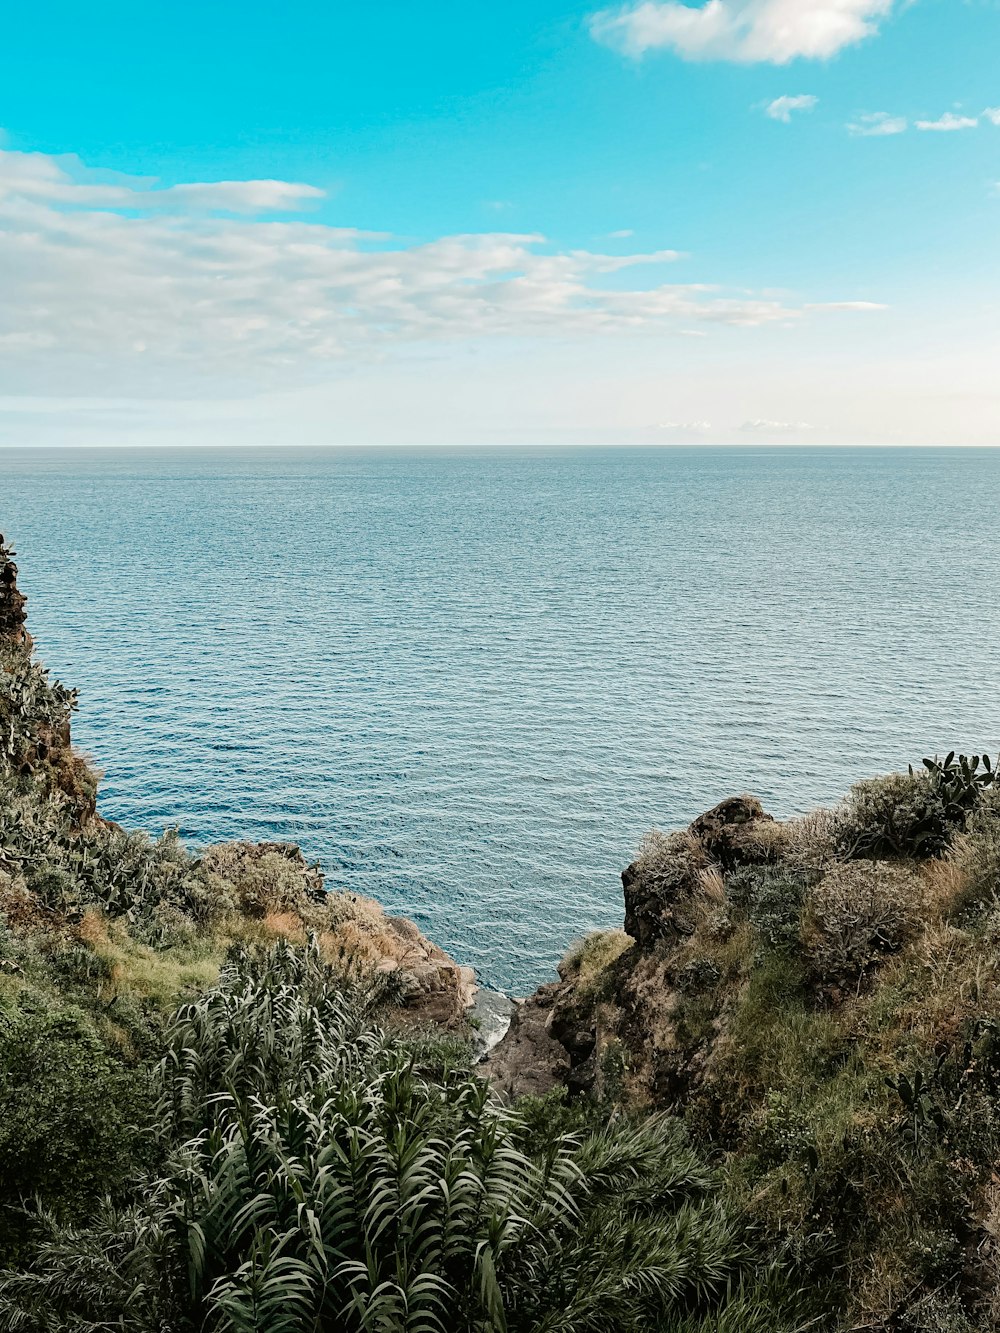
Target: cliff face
x,y
612,1015
35,712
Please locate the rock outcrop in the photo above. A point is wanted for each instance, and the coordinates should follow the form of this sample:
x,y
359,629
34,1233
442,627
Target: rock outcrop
x,y
35,712
530,1058
12,601
596,1027
433,987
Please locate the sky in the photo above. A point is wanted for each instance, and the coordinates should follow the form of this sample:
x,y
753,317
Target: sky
x,y
541,222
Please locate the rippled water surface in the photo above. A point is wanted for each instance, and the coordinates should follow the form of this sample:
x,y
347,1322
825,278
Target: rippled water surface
x,y
467,682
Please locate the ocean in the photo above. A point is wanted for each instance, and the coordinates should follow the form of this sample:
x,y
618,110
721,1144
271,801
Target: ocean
x,y
468,681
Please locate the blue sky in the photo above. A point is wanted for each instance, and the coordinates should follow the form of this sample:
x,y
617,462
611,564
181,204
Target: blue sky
x,y
551,222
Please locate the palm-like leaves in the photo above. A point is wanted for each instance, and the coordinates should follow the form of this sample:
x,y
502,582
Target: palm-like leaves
x,y
327,1181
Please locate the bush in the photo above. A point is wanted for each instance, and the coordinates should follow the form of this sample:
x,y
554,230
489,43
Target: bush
x,y
858,913
914,814
73,1117
772,900
897,815
668,886
812,843
260,879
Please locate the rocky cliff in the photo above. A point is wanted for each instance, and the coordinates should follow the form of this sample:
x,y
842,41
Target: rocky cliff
x,y
12,602
612,1013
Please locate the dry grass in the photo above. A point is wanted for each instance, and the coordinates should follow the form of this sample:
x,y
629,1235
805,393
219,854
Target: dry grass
x,y
946,884
811,842
713,886
286,925
672,857
588,959
130,968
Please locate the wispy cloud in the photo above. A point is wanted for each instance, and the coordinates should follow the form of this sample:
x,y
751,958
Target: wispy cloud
x,y
684,428
747,31
858,307
782,108
65,180
948,123
882,122
876,124
761,427
105,296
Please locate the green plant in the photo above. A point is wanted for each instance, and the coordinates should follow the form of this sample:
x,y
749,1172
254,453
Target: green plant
x,y
74,1118
858,913
326,1178
772,899
914,813
977,854
959,782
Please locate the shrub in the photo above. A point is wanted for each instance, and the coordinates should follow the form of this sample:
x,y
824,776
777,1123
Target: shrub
x,y
262,879
73,1117
858,913
665,889
914,814
896,815
772,901
812,843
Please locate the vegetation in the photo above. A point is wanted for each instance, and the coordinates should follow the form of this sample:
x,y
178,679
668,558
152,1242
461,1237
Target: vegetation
x,y
215,1115
320,1175
825,1018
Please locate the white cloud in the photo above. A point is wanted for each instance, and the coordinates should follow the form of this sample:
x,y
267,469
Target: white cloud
x,y
948,123
783,107
264,196
622,235
878,123
859,307
65,180
168,300
992,114
761,427
747,31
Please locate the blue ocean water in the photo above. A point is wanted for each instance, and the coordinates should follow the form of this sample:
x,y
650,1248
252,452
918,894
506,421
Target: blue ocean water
x,y
467,682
